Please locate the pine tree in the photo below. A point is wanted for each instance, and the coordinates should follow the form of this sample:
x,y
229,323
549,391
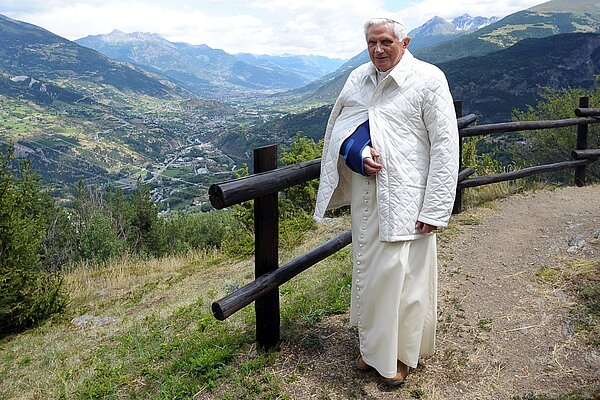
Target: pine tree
x,y
28,292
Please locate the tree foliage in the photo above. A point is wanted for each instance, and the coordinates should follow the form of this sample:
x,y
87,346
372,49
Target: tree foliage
x,y
555,145
301,197
29,293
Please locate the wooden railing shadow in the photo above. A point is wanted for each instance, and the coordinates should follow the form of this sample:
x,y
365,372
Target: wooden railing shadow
x,y
266,182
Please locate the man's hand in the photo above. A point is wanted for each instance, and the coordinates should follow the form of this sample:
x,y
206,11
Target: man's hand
x,y
424,228
371,164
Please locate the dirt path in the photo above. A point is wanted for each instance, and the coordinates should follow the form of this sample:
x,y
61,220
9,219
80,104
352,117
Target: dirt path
x,y
503,332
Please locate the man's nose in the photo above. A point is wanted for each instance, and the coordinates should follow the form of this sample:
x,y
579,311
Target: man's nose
x,y
378,48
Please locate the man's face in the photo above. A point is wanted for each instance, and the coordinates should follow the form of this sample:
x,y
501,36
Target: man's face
x,y
384,47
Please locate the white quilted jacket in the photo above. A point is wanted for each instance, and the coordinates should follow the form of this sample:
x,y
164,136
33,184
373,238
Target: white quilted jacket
x,y
413,126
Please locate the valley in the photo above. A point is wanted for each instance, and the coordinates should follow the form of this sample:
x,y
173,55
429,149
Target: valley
x,y
168,144
133,108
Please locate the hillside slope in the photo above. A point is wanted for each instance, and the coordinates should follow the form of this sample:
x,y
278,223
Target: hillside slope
x,y
503,331
28,50
494,84
551,18
79,116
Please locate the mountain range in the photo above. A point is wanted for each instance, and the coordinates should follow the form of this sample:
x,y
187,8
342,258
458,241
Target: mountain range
x,y
30,51
550,18
438,30
78,115
214,73
206,71
137,112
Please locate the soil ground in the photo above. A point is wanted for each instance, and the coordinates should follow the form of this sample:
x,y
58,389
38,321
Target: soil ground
x,y
503,331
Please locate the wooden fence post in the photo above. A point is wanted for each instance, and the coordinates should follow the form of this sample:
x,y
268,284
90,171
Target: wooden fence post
x,y
459,191
266,232
582,142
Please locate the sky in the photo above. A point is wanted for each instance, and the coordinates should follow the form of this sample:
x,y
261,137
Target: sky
x,y
331,28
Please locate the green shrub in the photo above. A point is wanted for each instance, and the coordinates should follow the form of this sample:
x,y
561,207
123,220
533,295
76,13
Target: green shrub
x,y
99,241
199,230
303,196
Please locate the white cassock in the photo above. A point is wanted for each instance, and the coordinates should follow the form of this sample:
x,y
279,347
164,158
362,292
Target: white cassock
x,y
394,288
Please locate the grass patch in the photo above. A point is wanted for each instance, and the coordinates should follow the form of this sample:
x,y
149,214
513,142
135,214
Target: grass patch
x,y
312,299
587,315
164,342
581,278
177,172
163,358
469,219
553,276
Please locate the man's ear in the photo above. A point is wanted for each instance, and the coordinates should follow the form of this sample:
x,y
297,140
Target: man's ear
x,y
405,41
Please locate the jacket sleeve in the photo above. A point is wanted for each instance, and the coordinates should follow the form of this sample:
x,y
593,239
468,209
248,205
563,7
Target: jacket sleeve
x,y
329,176
440,120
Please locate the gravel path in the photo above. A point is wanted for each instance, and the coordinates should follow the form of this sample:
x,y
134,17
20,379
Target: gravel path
x,y
503,332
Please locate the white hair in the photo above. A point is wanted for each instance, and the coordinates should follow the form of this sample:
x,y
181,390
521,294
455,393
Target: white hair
x,y
399,28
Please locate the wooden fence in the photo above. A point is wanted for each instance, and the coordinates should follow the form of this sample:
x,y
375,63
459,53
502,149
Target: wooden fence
x,y
263,186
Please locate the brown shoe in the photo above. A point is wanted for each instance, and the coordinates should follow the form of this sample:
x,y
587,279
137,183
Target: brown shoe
x,y
361,365
398,380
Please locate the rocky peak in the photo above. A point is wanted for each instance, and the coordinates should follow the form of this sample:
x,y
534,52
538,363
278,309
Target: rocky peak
x,y
466,23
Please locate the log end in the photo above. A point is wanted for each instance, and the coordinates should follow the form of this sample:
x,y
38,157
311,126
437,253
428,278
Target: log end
x,y
218,311
215,195
465,173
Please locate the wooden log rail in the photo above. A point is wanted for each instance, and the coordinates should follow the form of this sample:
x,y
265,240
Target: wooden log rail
x,y
587,112
237,191
268,180
228,305
245,295
581,155
516,126
509,176
590,154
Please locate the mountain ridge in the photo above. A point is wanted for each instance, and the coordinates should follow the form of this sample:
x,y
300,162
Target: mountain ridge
x,y
530,23
206,71
50,56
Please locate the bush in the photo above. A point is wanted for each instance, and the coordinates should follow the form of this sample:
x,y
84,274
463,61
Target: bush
x,y
300,197
199,230
484,164
99,241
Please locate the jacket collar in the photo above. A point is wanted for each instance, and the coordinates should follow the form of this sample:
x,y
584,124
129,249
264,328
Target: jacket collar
x,y
398,73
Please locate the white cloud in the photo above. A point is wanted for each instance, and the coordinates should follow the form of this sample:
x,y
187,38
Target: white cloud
x,y
325,27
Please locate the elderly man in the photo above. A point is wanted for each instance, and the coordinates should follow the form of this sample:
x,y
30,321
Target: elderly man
x,y
391,152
